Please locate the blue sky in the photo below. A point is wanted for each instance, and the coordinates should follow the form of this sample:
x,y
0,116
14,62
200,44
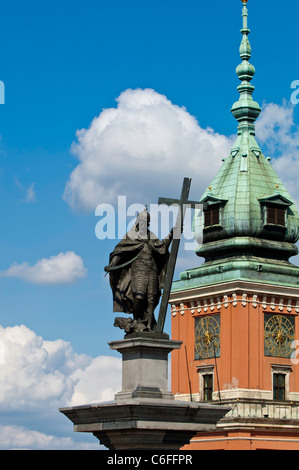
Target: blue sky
x,y
159,78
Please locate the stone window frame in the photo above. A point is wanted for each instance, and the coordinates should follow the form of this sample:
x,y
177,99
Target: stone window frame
x,y
202,371
283,369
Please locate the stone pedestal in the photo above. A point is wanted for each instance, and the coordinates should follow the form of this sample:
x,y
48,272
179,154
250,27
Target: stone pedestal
x,y
145,366
144,414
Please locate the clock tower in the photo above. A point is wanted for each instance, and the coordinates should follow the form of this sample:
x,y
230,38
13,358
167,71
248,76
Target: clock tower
x,y
238,312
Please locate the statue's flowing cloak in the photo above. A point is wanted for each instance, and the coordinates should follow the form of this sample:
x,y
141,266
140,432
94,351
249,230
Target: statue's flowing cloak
x,y
120,279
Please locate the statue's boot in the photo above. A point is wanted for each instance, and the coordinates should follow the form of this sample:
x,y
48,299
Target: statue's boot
x,y
151,321
137,309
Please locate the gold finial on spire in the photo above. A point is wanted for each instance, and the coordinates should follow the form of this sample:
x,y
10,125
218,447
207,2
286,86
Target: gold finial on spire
x,y
244,1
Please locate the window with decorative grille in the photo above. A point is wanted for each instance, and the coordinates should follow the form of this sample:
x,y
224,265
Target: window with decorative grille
x,y
275,215
212,217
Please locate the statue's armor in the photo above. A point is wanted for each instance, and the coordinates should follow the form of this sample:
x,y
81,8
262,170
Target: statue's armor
x,y
145,274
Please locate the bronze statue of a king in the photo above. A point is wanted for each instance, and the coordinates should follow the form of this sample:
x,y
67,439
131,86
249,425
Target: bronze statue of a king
x,y
137,268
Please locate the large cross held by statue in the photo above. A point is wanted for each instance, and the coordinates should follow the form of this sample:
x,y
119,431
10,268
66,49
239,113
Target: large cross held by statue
x,y
183,204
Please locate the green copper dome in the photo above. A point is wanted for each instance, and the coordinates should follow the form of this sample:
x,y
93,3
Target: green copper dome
x,y
250,223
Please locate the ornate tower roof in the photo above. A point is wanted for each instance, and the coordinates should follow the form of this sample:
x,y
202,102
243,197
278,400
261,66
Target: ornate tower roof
x,y
245,110
250,220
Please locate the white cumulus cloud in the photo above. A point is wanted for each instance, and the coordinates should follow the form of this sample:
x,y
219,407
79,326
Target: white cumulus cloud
x,y
34,371
142,148
37,377
21,438
278,135
63,268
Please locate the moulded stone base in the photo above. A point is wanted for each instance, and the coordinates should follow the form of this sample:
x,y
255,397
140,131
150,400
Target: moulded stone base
x,y
144,414
145,424
144,440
